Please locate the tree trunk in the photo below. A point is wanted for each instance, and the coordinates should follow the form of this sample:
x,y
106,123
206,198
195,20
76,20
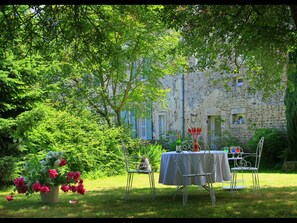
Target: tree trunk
x,y
291,108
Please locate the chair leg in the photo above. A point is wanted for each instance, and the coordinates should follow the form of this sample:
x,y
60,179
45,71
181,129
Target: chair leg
x,y
211,191
185,195
152,185
178,189
233,181
185,191
129,184
256,183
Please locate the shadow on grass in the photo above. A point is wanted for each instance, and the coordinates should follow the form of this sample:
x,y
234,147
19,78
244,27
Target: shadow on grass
x,y
278,202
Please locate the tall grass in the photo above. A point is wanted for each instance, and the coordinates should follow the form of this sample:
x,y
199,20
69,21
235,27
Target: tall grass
x,y
277,198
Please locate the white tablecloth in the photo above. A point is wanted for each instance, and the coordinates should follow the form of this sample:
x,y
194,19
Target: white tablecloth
x,y
170,175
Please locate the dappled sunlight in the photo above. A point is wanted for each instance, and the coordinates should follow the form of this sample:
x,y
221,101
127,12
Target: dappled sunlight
x,y
105,199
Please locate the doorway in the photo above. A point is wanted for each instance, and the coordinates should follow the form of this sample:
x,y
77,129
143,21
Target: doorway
x,y
214,131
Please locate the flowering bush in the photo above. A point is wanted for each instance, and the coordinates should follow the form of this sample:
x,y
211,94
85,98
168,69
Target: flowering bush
x,y
41,176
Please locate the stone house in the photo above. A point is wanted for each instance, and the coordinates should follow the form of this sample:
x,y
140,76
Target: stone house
x,y
195,101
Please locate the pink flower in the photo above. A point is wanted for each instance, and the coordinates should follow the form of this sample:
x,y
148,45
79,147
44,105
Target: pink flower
x,y
53,173
9,197
44,189
62,162
74,188
19,181
76,176
65,188
36,187
81,189
69,176
22,189
72,181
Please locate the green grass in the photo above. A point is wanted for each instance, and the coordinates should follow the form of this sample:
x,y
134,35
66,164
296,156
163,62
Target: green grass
x,y
277,198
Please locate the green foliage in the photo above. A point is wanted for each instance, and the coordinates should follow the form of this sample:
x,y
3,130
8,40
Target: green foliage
x,y
227,139
18,78
9,169
36,169
275,145
153,152
113,56
168,140
289,166
235,37
19,91
87,145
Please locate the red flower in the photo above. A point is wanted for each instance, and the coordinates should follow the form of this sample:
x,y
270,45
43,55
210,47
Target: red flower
x,y
53,173
62,163
74,188
22,189
19,181
69,176
65,188
36,187
53,159
44,189
9,197
81,189
76,176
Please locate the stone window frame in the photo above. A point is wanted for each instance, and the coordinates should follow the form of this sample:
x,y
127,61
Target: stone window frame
x,y
236,113
237,81
161,113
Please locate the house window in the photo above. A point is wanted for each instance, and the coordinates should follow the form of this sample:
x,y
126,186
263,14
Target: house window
x,y
238,119
237,81
142,128
161,125
238,116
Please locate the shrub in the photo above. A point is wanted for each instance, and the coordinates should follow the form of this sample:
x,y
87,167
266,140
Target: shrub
x,y
9,169
153,152
86,144
289,166
275,144
168,140
227,139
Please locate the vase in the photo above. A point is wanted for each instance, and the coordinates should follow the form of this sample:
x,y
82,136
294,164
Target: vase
x,y
196,146
51,196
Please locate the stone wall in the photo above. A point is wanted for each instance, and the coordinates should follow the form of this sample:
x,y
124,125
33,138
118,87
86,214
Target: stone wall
x,y
202,99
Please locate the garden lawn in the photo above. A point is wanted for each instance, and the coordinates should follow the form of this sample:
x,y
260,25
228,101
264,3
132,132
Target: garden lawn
x,y
277,198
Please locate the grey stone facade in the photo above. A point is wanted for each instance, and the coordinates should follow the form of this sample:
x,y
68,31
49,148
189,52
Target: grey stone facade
x,y
200,103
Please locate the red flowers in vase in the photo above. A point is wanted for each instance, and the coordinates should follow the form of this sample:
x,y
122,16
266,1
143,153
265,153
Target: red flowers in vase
x,y
195,132
41,176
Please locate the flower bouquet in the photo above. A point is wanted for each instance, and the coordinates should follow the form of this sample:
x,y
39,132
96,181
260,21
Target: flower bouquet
x,y
195,133
46,174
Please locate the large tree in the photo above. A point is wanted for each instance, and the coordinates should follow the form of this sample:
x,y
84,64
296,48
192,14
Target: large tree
x,y
120,55
256,37
19,76
111,57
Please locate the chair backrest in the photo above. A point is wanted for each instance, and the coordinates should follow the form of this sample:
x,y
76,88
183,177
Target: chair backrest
x,y
137,163
126,157
259,152
187,145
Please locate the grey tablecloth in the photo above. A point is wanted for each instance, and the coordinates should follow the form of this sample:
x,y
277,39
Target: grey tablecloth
x,y
170,174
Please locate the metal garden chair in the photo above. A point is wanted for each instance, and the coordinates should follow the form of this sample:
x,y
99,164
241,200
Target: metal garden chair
x,y
135,166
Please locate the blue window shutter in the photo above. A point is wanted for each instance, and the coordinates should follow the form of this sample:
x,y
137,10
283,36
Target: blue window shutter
x,y
149,129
